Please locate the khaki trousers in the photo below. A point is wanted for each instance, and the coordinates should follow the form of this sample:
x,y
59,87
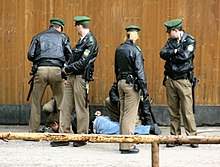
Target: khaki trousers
x,y
129,102
74,96
179,98
46,75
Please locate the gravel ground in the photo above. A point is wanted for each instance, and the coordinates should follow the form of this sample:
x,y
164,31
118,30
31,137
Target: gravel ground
x,y
39,153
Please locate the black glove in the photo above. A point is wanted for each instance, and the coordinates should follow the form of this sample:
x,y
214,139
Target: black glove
x,y
146,102
145,95
63,74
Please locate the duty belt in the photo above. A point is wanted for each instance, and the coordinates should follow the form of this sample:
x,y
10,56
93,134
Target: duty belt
x,y
176,77
122,76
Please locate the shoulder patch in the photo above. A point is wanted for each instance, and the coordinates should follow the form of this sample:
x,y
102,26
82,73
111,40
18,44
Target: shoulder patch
x,y
91,39
86,52
190,48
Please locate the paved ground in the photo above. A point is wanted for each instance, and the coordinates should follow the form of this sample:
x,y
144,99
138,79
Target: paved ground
x,y
40,154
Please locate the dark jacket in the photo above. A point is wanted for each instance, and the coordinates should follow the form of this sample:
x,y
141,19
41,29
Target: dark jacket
x,y
84,56
50,48
129,60
180,64
113,94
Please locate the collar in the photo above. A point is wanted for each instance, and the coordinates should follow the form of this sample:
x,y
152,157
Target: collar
x,y
84,35
180,37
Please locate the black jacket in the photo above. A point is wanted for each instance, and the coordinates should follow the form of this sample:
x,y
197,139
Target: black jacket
x,y
50,48
113,94
129,60
84,56
180,63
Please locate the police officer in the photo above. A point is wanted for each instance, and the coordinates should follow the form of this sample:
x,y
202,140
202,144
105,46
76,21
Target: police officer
x,y
178,54
80,72
48,51
129,69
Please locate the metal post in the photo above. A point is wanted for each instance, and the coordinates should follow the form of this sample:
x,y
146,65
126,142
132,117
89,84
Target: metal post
x,y
155,154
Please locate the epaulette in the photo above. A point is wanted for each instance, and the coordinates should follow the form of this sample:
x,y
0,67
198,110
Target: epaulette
x,y
191,36
138,48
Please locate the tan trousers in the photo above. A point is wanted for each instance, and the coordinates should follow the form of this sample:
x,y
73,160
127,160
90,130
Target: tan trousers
x,y
49,107
129,102
179,98
74,96
46,75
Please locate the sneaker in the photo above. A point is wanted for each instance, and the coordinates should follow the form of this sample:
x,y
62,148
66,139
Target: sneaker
x,y
59,143
133,150
173,145
194,145
79,144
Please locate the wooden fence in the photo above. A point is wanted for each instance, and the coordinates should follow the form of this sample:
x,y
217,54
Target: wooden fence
x,y
22,19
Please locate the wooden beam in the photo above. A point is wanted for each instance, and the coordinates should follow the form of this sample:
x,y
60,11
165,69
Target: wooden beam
x,y
99,138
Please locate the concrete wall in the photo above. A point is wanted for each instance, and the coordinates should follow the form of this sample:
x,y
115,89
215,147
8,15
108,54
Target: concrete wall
x,y
19,115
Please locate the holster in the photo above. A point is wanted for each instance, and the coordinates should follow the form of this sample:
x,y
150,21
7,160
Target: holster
x,y
131,80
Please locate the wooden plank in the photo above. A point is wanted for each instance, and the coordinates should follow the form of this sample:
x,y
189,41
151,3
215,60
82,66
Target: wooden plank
x,y
24,19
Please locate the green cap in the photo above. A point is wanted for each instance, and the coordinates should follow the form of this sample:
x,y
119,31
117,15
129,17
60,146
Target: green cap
x,y
132,28
172,24
57,21
81,20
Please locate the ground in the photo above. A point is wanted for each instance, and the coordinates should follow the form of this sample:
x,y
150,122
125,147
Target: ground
x,y
39,153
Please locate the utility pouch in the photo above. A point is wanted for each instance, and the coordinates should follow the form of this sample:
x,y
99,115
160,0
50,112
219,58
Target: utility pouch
x,y
88,74
129,79
136,86
164,80
190,76
34,69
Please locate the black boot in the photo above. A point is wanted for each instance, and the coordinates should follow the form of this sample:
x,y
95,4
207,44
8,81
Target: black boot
x,y
59,143
79,144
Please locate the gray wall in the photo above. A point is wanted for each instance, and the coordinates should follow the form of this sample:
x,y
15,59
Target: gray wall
x,y
19,115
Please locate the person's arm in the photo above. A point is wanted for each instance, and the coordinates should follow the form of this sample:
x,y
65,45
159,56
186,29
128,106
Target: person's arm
x,y
167,52
140,73
31,51
185,50
89,53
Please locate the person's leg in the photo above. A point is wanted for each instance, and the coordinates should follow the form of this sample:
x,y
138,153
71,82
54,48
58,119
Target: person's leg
x,y
67,106
114,111
186,107
40,83
173,102
82,112
130,100
65,114
57,85
49,107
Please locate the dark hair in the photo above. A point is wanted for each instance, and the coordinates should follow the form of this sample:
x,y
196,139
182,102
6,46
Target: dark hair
x,y
56,26
179,28
85,25
52,119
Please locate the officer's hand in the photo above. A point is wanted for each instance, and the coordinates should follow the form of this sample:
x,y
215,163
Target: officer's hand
x,y
63,74
145,94
146,101
146,105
